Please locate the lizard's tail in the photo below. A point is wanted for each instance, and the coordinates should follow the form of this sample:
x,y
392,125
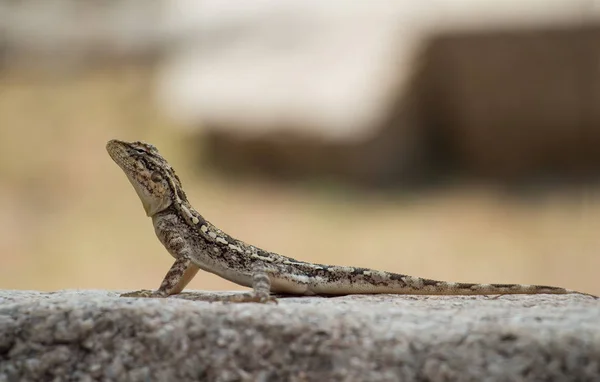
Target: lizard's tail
x,y
368,281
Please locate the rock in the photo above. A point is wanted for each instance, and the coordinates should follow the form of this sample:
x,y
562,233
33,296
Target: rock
x,y
300,89
515,103
94,335
390,94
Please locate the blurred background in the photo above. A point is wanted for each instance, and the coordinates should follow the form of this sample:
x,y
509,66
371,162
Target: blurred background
x,y
449,139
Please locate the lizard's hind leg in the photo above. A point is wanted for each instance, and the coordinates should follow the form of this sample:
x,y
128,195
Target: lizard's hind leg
x,y
261,293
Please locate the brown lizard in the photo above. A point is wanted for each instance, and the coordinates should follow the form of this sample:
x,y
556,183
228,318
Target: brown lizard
x,y
196,244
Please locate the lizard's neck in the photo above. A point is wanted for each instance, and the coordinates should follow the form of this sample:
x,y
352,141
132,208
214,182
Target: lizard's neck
x,y
182,206
188,213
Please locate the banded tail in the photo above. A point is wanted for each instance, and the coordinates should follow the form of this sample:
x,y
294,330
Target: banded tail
x,y
368,281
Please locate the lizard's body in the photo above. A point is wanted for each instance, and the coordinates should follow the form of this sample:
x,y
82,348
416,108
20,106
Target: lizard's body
x,y
195,244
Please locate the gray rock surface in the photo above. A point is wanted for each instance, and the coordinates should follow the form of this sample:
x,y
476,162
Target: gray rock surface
x,y
94,335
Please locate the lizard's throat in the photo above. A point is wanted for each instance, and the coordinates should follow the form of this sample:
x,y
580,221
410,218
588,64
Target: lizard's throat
x,y
152,204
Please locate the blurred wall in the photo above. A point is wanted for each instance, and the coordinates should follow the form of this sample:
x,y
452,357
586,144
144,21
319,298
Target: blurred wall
x,y
393,93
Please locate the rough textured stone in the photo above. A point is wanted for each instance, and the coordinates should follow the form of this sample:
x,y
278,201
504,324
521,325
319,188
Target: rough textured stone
x,y
392,94
93,335
514,103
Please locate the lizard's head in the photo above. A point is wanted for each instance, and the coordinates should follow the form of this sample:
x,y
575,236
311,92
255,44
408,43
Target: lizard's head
x,y
150,174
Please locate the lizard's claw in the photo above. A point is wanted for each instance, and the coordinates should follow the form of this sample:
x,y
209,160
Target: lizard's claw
x,y
261,299
269,299
145,293
251,297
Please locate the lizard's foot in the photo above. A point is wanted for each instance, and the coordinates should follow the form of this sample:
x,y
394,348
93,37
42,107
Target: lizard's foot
x,y
145,293
261,285
251,297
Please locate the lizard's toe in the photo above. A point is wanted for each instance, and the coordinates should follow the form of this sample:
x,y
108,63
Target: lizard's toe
x,y
268,299
144,293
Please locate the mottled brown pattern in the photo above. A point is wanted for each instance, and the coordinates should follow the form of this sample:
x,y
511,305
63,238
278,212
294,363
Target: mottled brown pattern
x,y
196,243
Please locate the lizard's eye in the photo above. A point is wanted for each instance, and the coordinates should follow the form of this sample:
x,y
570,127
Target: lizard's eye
x,y
156,177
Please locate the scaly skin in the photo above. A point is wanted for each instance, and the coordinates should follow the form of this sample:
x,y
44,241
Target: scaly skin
x,y
196,244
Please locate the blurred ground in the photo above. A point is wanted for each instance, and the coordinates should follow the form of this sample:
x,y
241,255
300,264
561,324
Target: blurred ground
x,y
70,219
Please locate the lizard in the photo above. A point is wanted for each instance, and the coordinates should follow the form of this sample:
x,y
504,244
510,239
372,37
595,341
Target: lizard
x,y
196,244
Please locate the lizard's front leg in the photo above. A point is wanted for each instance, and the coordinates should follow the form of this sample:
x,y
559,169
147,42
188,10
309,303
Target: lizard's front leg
x,y
183,269
181,273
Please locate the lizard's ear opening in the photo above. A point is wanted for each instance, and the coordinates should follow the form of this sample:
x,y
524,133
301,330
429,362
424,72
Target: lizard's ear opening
x,y
156,177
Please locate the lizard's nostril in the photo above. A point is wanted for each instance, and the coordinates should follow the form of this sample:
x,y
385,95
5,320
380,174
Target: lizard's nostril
x,y
112,145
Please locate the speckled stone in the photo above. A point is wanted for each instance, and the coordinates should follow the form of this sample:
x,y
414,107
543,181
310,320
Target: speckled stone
x,y
95,335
